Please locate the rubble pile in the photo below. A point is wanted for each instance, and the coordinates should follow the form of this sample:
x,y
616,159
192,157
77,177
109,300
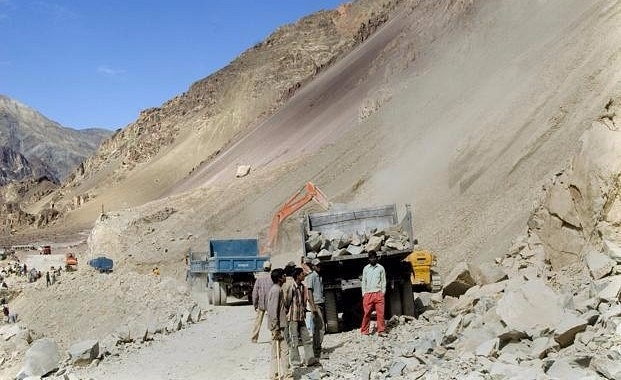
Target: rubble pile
x,y
531,322
337,243
43,354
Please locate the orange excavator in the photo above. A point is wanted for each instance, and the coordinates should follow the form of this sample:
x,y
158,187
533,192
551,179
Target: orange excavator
x,y
308,193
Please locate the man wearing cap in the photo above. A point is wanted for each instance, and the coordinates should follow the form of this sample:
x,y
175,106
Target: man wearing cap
x,y
316,301
373,290
260,292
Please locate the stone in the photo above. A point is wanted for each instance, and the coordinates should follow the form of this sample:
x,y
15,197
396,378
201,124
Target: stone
x,y
396,369
599,264
529,305
84,352
458,281
242,171
354,249
374,243
487,348
567,328
562,369
487,273
610,368
611,289
41,358
612,250
542,345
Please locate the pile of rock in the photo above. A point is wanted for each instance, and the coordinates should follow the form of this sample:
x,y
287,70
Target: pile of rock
x,y
337,243
512,319
43,354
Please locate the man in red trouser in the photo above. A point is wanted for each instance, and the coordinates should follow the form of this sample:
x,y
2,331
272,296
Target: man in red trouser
x,y
373,290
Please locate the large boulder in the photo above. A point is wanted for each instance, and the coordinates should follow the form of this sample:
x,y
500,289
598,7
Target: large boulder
x,y
42,358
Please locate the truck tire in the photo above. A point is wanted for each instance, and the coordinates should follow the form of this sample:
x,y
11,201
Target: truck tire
x,y
394,301
217,293
210,296
332,316
407,298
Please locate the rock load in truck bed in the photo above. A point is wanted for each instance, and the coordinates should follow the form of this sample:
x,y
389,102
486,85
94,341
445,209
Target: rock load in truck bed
x,y
335,244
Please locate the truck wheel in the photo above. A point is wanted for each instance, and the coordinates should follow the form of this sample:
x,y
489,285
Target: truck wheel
x,y
407,298
332,317
223,294
216,293
394,301
210,296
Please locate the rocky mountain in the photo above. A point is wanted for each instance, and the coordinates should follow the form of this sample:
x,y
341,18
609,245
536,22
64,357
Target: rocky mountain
x,y
33,145
498,121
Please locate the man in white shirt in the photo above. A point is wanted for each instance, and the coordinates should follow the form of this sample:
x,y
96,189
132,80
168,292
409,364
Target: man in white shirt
x,y
373,290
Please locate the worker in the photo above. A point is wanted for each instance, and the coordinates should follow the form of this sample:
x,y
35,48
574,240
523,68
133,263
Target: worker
x,y
48,282
5,311
260,291
289,281
296,298
156,271
373,291
316,301
277,321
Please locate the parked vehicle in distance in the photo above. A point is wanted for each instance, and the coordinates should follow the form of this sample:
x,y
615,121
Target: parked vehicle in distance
x,y
102,264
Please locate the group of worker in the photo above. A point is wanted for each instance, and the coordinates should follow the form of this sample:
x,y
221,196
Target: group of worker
x,y
286,295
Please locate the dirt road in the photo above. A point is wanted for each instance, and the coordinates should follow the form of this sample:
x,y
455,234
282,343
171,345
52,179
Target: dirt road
x,y
218,347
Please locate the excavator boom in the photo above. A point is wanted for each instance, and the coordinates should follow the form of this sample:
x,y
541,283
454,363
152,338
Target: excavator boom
x,y
308,193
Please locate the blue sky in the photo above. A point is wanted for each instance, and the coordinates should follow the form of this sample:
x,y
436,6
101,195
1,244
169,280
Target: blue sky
x,y
85,63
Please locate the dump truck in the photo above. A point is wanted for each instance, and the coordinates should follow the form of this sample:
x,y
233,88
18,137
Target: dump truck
x,y
342,240
229,266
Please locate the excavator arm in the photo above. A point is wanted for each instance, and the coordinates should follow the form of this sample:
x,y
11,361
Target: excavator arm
x,y
308,193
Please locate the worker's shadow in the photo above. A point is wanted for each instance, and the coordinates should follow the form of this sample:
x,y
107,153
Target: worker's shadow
x,y
329,350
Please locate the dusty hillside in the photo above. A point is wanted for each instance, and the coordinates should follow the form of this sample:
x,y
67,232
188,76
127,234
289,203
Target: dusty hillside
x,y
468,111
169,143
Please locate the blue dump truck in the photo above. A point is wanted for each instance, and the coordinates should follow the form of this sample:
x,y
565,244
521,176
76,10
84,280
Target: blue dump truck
x,y
229,267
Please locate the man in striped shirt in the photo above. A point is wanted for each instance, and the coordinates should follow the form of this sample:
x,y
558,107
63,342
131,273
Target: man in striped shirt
x,y
373,290
295,302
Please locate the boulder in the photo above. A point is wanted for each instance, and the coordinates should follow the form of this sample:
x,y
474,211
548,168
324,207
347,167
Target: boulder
x,y
599,264
41,358
567,328
242,171
487,273
84,352
529,306
607,366
458,281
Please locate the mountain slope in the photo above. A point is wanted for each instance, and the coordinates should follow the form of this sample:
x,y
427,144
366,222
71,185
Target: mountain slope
x,y
44,143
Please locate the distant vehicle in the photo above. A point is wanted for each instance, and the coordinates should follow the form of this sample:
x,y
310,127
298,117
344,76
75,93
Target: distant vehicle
x,y
102,264
71,262
46,250
230,266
